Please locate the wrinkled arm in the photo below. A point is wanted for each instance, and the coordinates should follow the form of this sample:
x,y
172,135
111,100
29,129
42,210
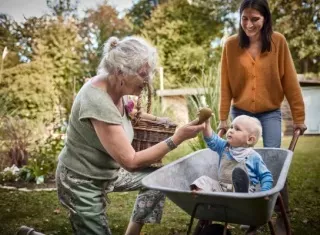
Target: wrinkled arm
x,y
116,143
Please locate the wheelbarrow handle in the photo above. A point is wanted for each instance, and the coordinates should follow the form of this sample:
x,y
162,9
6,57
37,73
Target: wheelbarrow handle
x,y
294,139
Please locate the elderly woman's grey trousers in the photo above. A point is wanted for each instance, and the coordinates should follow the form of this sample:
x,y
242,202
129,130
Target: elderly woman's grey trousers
x,y
85,199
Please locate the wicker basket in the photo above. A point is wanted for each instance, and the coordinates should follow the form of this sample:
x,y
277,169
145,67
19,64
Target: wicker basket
x,y
148,133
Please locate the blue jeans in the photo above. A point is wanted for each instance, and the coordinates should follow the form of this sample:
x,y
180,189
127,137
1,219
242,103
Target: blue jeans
x,y
271,125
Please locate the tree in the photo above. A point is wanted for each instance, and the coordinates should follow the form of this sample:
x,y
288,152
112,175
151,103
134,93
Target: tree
x,y
182,34
224,12
26,34
9,39
95,28
27,92
299,21
63,8
139,13
60,46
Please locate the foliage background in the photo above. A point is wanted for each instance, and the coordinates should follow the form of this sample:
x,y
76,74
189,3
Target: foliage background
x,y
50,56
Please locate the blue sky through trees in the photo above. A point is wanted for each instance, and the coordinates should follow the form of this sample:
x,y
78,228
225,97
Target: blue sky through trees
x,y
20,8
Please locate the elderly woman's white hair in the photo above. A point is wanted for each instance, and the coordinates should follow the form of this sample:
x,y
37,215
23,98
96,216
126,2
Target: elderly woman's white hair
x,y
128,55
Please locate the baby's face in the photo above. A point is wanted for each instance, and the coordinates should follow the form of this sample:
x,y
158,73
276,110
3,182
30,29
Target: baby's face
x,y
238,134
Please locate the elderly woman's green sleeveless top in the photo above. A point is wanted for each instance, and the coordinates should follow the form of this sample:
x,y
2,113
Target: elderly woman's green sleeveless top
x,y
83,152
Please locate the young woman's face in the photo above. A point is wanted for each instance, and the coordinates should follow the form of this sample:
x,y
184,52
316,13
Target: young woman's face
x,y
251,22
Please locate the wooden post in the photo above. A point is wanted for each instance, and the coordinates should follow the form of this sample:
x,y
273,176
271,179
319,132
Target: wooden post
x,y
161,87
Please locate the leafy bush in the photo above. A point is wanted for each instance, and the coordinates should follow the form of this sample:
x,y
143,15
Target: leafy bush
x,y
24,146
28,90
53,144
9,174
44,157
17,136
210,98
38,168
182,34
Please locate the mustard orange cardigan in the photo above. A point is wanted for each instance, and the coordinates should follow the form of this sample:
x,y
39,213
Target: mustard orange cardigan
x,y
259,85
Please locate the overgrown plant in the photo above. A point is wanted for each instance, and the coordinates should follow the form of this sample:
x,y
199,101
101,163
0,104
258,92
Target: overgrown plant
x,y
4,111
43,160
38,168
208,85
17,138
9,174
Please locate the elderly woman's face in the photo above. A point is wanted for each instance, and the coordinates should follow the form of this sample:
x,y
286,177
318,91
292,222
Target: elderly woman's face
x,y
135,83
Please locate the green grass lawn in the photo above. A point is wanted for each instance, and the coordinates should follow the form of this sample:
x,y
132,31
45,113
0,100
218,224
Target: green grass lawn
x,y
42,211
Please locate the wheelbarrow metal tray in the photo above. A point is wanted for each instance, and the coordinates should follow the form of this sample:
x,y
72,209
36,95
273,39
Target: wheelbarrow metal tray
x,y
240,208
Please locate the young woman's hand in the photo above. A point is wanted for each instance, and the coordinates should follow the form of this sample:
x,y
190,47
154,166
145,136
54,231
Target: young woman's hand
x,y
223,125
301,127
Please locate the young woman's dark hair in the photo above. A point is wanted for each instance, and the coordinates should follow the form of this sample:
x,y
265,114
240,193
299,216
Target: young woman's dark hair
x,y
266,31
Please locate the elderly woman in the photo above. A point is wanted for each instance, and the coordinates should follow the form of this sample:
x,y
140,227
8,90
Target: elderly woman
x,y
98,157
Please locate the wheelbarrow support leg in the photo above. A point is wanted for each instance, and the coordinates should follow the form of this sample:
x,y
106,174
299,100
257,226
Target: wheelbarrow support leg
x,y
225,229
271,228
201,223
192,218
284,215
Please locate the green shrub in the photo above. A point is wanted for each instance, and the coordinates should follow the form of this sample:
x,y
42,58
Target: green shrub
x,y
210,98
17,136
38,168
44,157
9,174
28,90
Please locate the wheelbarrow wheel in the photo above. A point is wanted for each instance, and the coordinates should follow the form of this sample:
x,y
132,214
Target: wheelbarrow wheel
x,y
200,226
210,229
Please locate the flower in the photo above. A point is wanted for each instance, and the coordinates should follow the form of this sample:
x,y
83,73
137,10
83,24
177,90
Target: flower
x,y
13,169
129,106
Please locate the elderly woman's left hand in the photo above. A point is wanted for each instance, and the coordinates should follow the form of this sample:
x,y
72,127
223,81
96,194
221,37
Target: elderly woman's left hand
x,y
164,120
301,127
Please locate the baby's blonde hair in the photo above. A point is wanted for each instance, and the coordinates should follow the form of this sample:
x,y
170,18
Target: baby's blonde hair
x,y
253,126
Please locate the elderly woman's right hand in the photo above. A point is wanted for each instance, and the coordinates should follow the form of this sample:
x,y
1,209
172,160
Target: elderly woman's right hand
x,y
187,131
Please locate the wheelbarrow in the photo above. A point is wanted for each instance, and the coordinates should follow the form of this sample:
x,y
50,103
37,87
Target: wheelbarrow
x,y
253,209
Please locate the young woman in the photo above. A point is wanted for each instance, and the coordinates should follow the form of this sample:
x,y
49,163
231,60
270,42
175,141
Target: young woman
x,y
257,72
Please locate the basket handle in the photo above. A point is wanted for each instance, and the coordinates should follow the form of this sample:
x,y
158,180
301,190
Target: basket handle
x,y
137,116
